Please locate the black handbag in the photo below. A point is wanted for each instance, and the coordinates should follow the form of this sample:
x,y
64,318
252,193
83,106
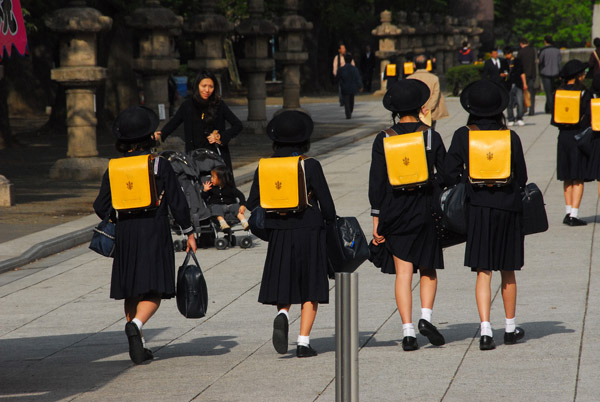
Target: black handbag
x,y
347,245
453,203
192,293
103,239
257,223
584,141
535,219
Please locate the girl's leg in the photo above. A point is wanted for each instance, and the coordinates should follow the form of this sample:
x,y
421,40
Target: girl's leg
x,y
307,317
483,294
576,193
568,192
428,287
509,293
403,291
138,311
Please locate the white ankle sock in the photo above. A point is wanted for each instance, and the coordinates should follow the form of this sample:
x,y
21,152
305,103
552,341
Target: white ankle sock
x,y
143,341
303,340
426,314
486,328
574,212
568,209
510,325
138,323
408,330
282,311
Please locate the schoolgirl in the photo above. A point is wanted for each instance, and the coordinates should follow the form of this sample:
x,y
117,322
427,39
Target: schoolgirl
x,y
295,270
402,219
223,197
572,164
594,158
494,229
143,269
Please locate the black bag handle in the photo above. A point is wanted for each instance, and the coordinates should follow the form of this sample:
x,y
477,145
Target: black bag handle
x,y
187,258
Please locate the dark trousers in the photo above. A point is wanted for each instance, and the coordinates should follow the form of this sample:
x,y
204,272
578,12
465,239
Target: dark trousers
x,y
548,85
367,80
531,89
348,105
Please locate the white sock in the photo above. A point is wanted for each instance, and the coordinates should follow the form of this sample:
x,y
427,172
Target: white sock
x,y
486,328
303,340
143,342
510,325
426,314
408,330
282,311
138,323
574,212
568,209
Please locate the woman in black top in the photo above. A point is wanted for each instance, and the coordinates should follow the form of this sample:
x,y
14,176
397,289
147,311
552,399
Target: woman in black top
x,y
203,117
295,270
494,230
402,219
572,164
143,269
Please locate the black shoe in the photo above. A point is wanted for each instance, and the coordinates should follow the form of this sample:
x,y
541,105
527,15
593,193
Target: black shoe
x,y
280,333
510,338
409,343
431,332
486,343
576,222
137,353
566,220
305,351
148,355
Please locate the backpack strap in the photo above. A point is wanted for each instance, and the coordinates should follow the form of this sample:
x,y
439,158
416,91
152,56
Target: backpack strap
x,y
390,132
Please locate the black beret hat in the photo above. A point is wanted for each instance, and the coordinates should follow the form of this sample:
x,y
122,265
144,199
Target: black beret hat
x,y
484,98
290,127
406,95
135,124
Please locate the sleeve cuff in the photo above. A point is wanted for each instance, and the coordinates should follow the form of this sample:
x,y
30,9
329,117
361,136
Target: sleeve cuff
x,y
188,230
374,212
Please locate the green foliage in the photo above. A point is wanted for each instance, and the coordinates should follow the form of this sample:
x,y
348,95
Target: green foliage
x,y
460,76
568,21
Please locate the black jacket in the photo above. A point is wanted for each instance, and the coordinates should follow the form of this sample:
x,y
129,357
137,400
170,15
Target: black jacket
x,y
492,72
226,195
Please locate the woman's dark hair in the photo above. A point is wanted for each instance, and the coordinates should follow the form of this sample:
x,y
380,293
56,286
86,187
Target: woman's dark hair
x,y
597,42
399,115
224,175
499,118
143,145
207,107
303,147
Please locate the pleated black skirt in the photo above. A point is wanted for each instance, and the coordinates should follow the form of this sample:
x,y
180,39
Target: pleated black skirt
x,y
295,268
594,159
495,240
571,163
144,261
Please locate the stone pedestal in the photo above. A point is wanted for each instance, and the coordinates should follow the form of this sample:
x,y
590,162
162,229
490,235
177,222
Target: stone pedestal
x,y
6,196
78,26
387,34
256,32
596,21
156,27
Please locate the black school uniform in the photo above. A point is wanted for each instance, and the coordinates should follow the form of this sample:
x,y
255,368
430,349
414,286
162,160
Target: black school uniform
x,y
594,158
144,259
405,217
295,268
571,163
495,235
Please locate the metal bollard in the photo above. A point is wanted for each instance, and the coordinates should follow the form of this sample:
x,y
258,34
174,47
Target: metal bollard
x,y
346,337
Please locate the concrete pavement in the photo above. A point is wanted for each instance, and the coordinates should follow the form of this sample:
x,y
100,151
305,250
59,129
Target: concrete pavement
x,y
61,337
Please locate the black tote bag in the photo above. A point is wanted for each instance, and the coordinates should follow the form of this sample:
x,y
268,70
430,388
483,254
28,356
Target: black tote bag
x,y
453,202
535,219
192,293
103,238
347,245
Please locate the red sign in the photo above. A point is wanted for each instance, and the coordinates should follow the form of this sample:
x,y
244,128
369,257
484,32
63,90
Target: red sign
x,y
12,27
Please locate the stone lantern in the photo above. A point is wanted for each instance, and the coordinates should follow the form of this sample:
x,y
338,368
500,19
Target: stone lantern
x,y
209,30
387,34
291,54
78,26
256,32
157,27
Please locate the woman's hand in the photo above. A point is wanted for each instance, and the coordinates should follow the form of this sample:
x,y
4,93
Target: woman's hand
x,y
157,135
207,185
214,138
191,243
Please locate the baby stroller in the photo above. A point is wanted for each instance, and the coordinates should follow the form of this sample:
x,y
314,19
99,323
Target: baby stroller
x,y
192,170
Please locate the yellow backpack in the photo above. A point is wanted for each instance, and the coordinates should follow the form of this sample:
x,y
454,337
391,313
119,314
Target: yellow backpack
x,y
567,106
390,70
429,65
489,157
595,112
406,158
409,68
282,184
132,183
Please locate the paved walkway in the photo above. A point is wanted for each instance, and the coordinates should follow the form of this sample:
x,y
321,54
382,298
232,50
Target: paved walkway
x,y
61,337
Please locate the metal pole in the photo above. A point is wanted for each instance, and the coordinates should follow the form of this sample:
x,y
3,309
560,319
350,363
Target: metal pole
x,y
346,337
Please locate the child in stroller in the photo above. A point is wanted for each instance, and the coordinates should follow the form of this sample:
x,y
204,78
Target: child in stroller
x,y
225,201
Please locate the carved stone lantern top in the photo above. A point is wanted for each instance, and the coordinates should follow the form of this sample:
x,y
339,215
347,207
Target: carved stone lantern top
x,y
207,21
386,28
153,16
78,18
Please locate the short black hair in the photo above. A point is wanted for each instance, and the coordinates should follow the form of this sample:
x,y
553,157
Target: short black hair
x,y
303,147
597,42
144,145
508,50
465,44
421,62
524,41
548,39
348,58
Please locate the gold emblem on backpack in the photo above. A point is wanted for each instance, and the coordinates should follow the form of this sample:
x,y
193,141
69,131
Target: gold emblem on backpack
x,y
129,185
490,156
406,161
278,185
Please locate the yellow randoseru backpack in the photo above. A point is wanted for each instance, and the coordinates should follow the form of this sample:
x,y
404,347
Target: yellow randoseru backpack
x,y
409,68
567,106
489,157
595,109
132,183
282,184
406,159
429,65
390,70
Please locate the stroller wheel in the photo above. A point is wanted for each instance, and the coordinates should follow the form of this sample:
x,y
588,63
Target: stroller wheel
x,y
221,244
246,242
176,245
